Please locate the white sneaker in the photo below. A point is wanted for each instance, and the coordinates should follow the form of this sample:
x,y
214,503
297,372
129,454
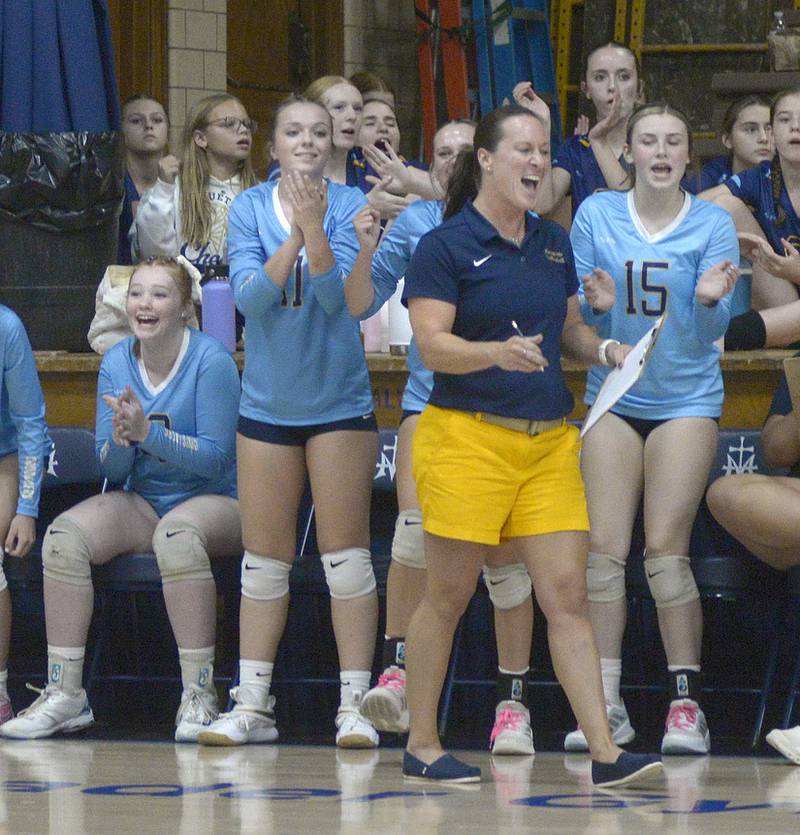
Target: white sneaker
x,y
685,731
385,705
197,711
786,741
53,711
352,729
618,723
244,724
512,732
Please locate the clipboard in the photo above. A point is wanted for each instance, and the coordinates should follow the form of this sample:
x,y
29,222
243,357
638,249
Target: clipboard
x,y
791,368
621,380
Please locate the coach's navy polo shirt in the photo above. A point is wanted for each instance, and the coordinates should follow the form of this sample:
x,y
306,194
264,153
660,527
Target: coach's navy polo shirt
x,y
491,281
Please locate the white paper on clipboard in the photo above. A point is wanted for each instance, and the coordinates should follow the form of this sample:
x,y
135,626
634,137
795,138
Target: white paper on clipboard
x,y
620,380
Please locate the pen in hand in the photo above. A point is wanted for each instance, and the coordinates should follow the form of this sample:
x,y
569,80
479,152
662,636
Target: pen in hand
x,y
519,332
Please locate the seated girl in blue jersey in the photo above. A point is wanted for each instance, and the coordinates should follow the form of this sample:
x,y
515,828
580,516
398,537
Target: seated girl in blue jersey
x,y
584,164
493,459
668,254
145,130
306,411
507,581
747,134
167,399
762,203
24,444
186,211
762,512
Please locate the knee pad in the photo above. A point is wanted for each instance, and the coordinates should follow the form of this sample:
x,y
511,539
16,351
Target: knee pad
x,y
349,573
66,555
408,545
605,578
264,578
671,581
181,551
3,581
509,585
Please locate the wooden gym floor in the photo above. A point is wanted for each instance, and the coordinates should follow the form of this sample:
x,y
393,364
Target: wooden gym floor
x,y
95,786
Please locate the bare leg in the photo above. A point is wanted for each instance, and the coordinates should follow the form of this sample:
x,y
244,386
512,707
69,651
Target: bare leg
x,y
678,457
112,523
271,478
341,467
613,471
404,585
9,473
762,513
782,323
191,604
557,564
513,627
453,568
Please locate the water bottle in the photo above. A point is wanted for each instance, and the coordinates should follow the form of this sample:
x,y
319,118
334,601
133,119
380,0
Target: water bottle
x,y
779,58
219,311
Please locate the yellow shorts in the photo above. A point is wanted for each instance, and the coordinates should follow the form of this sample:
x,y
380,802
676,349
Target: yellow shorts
x,y
484,483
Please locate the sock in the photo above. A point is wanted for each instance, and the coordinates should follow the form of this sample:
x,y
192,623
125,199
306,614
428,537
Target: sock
x,y
352,685
512,686
197,667
65,667
611,672
255,679
684,682
394,652
4,685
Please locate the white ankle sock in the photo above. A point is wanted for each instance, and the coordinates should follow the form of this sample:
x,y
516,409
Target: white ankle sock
x,y
65,667
352,682
611,672
255,679
197,667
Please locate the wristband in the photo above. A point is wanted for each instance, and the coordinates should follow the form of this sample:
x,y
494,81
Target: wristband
x,y
601,350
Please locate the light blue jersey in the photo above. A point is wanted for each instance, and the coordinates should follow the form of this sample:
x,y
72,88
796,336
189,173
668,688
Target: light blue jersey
x,y
304,362
388,267
22,427
191,447
656,274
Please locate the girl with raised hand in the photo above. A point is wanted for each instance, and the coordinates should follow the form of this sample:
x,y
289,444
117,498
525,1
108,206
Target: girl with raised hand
x,y
671,255
585,164
186,211
24,445
145,128
306,412
507,581
166,408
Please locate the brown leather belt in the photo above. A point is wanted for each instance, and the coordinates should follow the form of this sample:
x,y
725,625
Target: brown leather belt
x,y
529,427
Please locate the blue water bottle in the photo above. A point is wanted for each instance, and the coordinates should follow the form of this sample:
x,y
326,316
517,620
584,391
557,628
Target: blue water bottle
x,y
219,311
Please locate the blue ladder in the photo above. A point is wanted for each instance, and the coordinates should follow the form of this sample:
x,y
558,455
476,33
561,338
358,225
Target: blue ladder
x,y
512,43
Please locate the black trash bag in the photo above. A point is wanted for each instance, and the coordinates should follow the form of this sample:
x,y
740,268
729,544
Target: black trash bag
x,y
60,200
61,181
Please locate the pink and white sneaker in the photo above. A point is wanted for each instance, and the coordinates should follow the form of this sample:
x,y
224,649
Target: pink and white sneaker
x,y
385,705
512,732
6,711
686,731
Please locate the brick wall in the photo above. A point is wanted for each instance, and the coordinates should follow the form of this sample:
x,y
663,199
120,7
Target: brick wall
x,y
379,36
197,42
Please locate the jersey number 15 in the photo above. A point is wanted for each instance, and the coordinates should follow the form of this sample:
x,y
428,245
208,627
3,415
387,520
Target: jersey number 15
x,y
640,279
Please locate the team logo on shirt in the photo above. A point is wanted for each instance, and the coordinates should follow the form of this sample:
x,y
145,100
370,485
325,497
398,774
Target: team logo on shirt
x,y
554,255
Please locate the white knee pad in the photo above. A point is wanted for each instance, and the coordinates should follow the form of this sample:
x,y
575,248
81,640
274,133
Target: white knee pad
x,y
3,581
349,573
509,585
408,545
671,580
605,578
66,555
181,551
264,578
